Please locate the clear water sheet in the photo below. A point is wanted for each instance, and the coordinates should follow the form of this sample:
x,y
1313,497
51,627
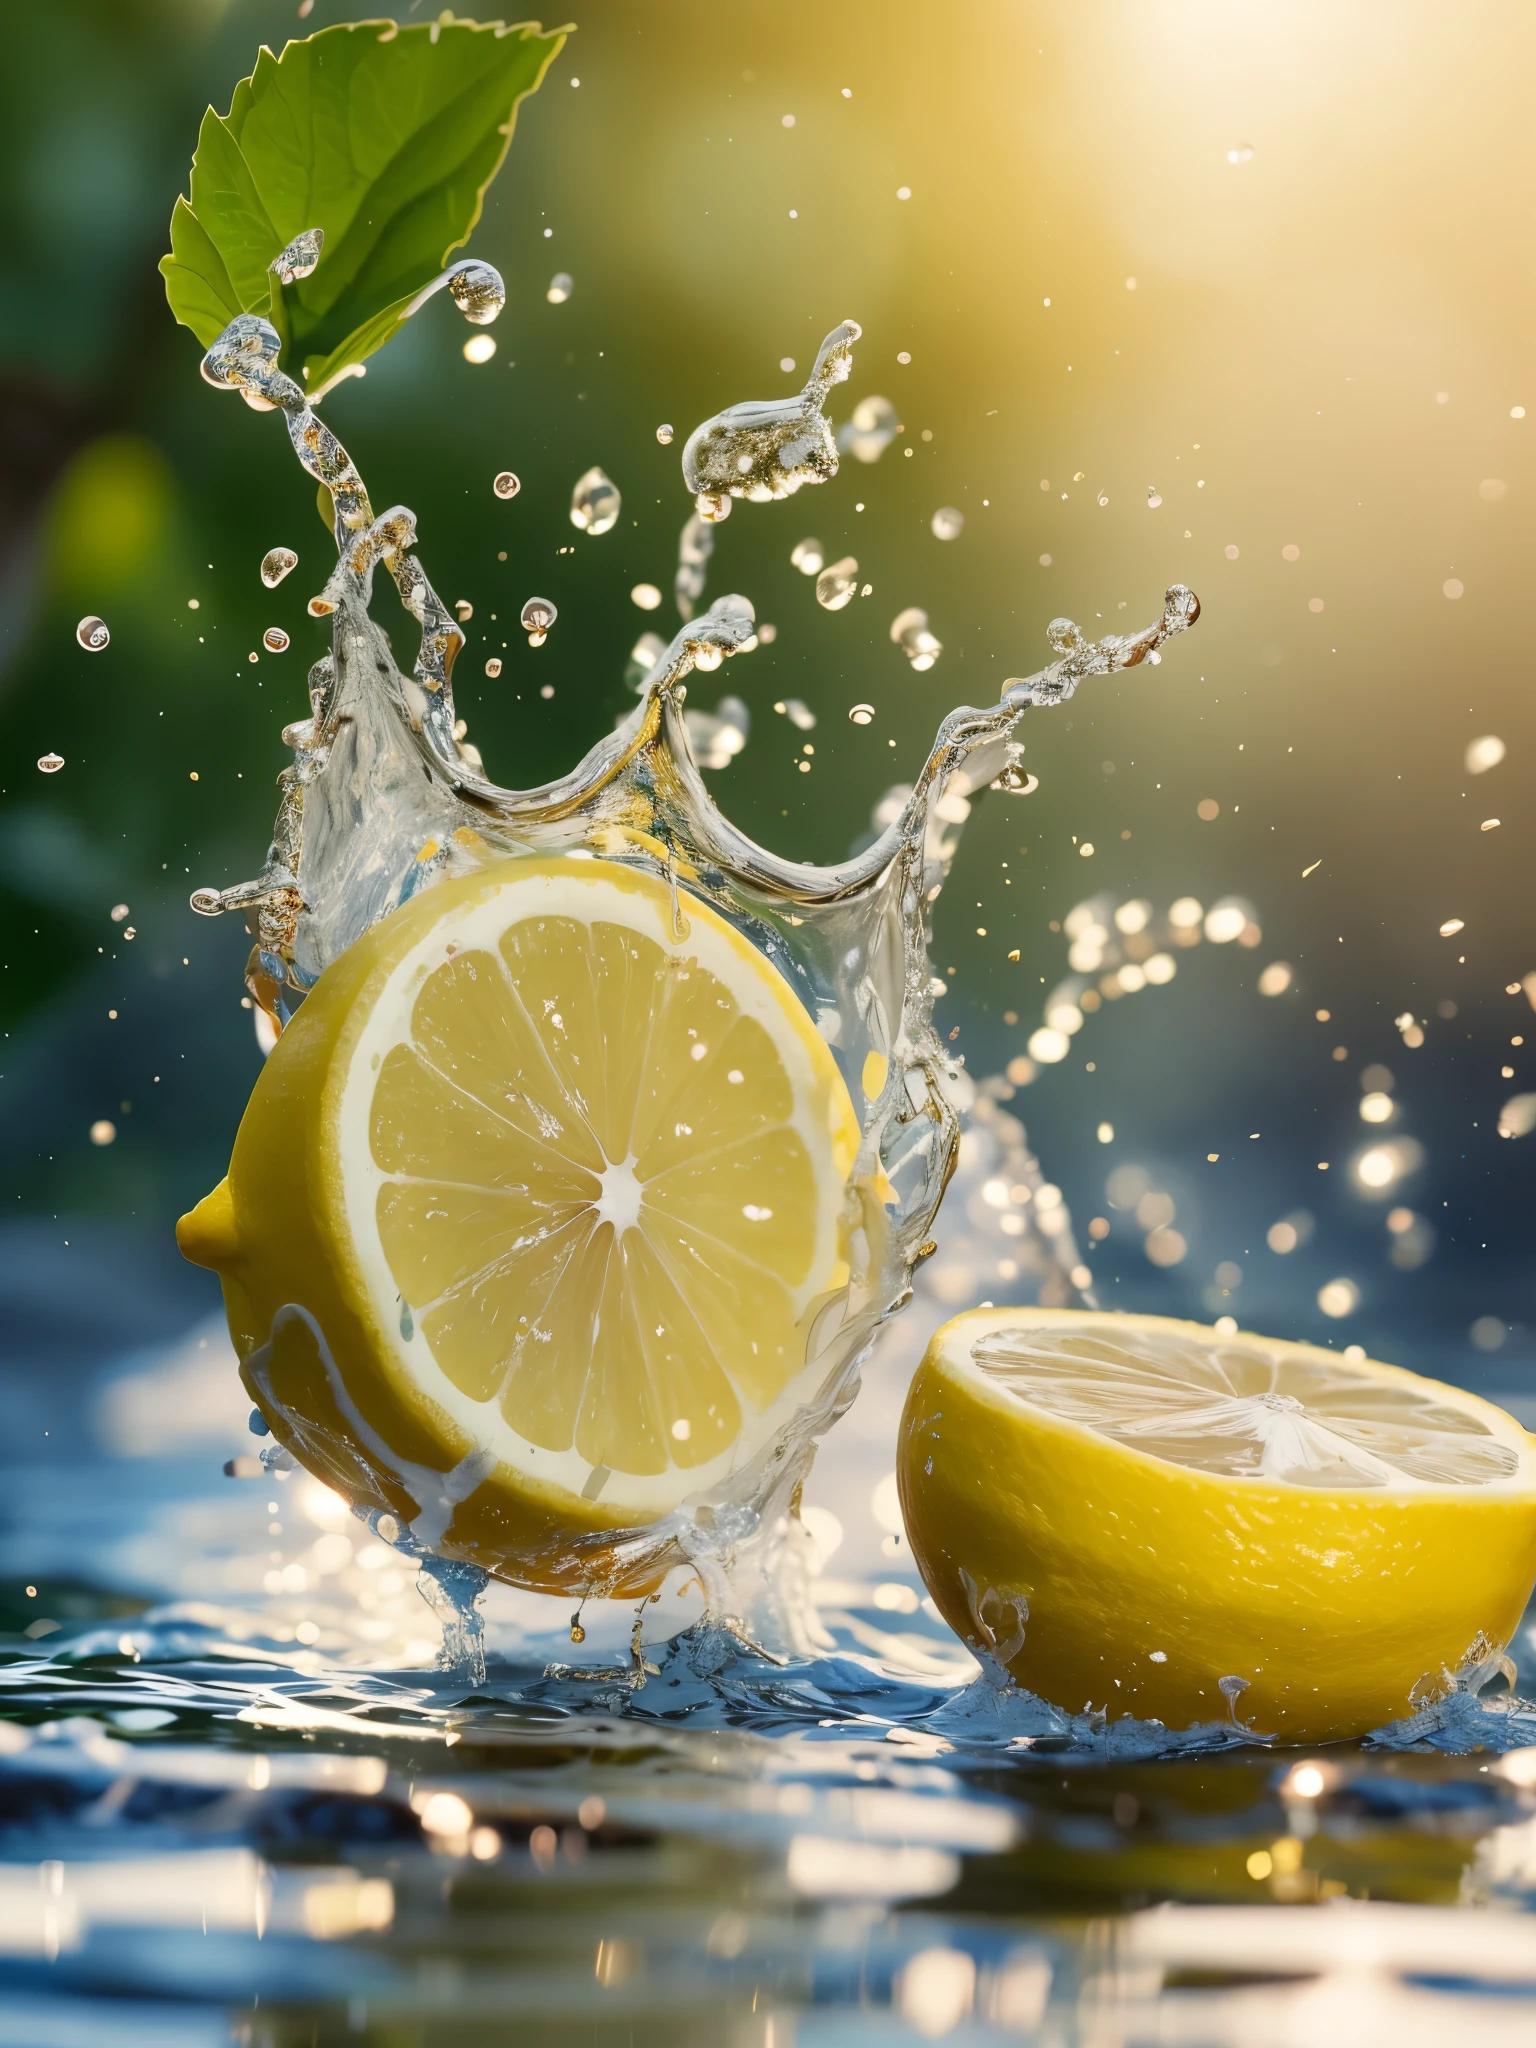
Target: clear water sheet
x,y
385,797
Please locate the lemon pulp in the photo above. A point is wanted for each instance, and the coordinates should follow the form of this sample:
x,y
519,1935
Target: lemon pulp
x,y
1129,1511
572,1162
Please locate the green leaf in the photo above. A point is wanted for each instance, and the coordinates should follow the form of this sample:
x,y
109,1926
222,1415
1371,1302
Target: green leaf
x,y
386,138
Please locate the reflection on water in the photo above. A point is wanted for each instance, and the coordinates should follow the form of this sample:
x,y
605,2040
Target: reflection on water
x,y
241,1804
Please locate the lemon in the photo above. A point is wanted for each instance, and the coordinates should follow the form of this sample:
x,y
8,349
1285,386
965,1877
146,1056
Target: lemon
x,y
1128,1511
533,1211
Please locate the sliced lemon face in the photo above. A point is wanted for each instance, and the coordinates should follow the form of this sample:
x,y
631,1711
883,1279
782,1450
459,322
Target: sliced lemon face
x,y
575,1162
1130,1511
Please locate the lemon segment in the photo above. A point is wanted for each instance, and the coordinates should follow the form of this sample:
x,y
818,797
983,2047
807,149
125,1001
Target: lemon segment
x,y
1128,1510
558,1175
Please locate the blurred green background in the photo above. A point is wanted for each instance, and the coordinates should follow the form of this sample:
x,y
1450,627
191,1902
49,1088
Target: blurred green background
x,y
1269,263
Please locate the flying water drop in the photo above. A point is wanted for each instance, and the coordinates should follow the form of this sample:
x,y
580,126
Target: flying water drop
x,y
664,436
507,484
1015,782
276,563
800,715
948,523
1154,497
50,764
595,502
909,631
808,556
561,285
464,611
870,431
300,257
478,292
768,448
861,714
92,634
493,666
275,640
539,614
1240,153
837,584
479,348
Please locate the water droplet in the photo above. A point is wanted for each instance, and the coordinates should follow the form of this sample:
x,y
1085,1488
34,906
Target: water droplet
x,y
870,431
1154,497
836,585
787,442
50,763
1484,753
493,666
92,634
862,714
276,564
712,506
507,484
275,640
464,610
103,1131
561,285
578,1633
538,615
664,436
595,502
808,556
948,523
478,292
300,257
1014,782
479,348
800,716
1240,153
646,595
909,631
207,902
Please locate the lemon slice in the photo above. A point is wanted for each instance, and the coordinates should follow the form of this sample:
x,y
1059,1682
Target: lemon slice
x,y
1141,1515
533,1210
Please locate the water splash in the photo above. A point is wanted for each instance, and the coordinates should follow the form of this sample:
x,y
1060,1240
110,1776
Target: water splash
x,y
385,797
769,448
277,563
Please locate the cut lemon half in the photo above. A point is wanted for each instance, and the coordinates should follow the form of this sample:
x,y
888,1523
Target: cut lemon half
x,y
1140,1515
533,1210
